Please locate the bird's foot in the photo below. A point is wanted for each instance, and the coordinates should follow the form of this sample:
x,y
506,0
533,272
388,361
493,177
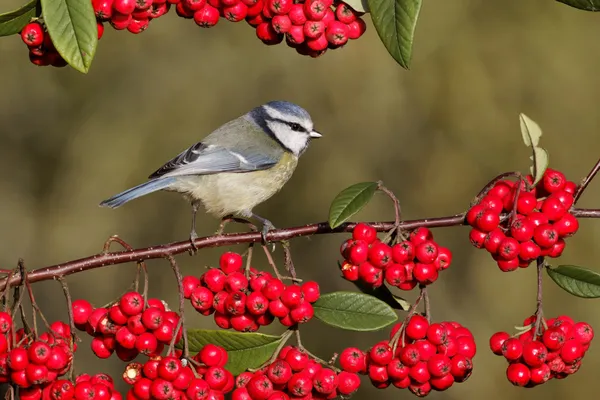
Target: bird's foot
x,y
194,249
267,226
224,221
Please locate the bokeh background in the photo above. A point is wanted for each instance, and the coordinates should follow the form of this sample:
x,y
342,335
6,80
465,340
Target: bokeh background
x,y
435,135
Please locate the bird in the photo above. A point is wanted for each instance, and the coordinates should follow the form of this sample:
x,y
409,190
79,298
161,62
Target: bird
x,y
238,166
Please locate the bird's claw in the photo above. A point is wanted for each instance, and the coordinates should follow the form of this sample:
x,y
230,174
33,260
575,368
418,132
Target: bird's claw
x,y
267,226
194,249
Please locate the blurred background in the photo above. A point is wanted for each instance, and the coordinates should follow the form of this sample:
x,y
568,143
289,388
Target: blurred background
x,y
435,135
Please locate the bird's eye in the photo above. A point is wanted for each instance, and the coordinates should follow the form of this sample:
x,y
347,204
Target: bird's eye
x,y
296,127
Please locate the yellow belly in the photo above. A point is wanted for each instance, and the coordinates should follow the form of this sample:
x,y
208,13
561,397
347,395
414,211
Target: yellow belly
x,y
237,193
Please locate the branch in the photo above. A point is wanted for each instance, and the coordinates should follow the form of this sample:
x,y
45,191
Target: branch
x,y
277,235
586,181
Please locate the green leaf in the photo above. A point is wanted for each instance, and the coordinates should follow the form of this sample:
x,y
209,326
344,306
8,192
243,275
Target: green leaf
x,y
350,201
245,350
587,5
395,22
530,130
384,294
358,5
73,30
540,163
354,311
12,22
578,281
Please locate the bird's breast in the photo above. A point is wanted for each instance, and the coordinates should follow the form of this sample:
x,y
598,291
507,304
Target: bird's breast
x,y
239,193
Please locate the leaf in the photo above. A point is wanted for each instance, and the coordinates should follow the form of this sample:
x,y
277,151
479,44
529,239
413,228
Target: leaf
x,y
540,163
358,5
384,294
350,201
245,350
12,22
395,22
578,281
587,5
530,130
73,30
354,311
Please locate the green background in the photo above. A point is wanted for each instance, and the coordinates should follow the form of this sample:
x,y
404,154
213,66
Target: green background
x,y
434,135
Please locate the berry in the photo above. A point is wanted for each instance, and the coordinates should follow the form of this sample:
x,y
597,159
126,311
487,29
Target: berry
x,y
496,342
33,34
518,374
353,359
207,17
417,327
230,262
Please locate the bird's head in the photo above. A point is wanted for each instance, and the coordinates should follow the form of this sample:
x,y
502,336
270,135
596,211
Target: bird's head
x,y
287,123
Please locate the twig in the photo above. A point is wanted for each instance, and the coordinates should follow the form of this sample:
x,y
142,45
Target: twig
x,y
284,338
426,304
539,312
181,323
411,311
491,184
271,261
287,259
397,209
586,181
69,300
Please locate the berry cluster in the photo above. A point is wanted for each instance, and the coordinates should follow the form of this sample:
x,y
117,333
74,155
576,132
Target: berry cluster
x,y
403,265
162,378
556,353
128,327
536,223
246,304
96,387
34,363
41,49
294,375
427,357
133,15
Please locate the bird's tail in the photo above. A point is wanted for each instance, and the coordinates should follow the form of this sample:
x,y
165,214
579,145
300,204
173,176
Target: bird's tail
x,y
137,191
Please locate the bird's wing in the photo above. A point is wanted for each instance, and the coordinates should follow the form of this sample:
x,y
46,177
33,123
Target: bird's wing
x,y
205,159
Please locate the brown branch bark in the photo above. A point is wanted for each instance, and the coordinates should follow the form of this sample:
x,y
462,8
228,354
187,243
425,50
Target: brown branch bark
x,y
171,249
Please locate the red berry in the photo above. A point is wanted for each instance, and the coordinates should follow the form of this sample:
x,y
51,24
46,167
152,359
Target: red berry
x,y
124,6
230,262
522,229
344,13
509,249
461,368
82,310
207,17
152,317
417,327
487,221
545,235
526,203
534,353
195,5
439,365
570,187
300,385
493,239
529,251
477,238
356,29
396,370
540,374
426,252
378,373
466,346
444,258
367,233
189,284
518,374
348,382
553,338
512,349
403,252
496,342
583,332
279,372
292,296
274,289
18,359
315,9
325,381
280,7
39,353
146,343
236,13
425,274
102,9
361,231
303,313
508,265
216,377
353,359
419,372
567,225
267,34
131,303
337,33
380,254
420,235
381,353
297,359
553,208
572,351
553,180
409,355
278,309
311,291
437,333
33,34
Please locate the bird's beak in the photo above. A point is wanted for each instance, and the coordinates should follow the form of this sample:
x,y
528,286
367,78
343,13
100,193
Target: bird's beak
x,y
315,134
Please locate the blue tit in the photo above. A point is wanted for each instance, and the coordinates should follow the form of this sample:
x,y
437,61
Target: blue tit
x,y
238,166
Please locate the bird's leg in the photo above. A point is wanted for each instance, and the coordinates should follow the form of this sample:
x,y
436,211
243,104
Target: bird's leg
x,y
267,226
224,221
193,234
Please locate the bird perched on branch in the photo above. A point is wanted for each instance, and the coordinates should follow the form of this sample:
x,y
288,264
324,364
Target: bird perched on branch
x,y
236,167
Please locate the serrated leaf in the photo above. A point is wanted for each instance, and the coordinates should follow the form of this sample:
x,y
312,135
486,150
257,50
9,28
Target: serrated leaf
x,y
245,350
395,22
350,201
530,130
73,30
384,294
12,22
578,281
358,5
587,5
541,160
354,311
